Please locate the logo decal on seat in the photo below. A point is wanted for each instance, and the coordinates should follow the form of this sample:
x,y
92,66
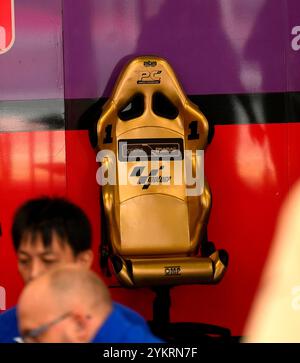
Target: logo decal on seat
x,y
151,178
150,63
172,270
149,77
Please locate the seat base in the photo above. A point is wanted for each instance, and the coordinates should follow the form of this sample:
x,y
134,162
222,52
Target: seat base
x,y
182,332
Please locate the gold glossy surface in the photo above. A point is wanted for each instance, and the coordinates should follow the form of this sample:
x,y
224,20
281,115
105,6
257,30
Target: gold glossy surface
x,y
155,226
169,271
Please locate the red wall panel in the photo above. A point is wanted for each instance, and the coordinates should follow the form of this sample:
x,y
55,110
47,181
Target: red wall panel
x,y
31,164
249,168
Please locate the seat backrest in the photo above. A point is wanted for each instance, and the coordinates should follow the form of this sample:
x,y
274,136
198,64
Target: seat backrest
x,y
153,137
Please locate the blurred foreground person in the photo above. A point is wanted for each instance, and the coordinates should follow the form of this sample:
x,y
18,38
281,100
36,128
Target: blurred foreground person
x,y
275,315
47,233
72,305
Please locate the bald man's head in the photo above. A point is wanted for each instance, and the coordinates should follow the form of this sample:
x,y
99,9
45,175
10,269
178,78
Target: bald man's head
x,y
73,285
71,302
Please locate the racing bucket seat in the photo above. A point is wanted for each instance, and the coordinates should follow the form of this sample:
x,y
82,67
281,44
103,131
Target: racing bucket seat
x,y
151,139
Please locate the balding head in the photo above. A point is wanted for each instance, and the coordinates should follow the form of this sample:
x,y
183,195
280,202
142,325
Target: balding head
x,y
74,296
72,285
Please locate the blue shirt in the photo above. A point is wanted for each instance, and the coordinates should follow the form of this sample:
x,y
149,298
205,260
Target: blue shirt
x,y
9,326
123,325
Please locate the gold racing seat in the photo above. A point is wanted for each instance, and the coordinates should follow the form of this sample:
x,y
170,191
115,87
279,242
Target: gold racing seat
x,y
150,134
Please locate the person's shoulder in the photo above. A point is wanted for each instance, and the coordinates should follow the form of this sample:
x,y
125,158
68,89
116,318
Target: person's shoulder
x,y
8,326
138,331
128,313
8,315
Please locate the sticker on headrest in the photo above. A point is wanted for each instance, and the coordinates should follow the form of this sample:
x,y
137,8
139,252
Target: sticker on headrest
x,y
149,77
150,149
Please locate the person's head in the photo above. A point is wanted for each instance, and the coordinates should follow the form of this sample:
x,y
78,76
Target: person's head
x,y
48,232
68,304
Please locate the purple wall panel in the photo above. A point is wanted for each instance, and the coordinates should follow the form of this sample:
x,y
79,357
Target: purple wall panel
x,y
215,46
33,67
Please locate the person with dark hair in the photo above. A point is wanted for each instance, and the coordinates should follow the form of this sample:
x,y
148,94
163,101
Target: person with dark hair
x,y
47,233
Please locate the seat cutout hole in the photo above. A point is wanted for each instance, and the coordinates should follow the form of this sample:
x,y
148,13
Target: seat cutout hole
x,y
163,107
133,108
